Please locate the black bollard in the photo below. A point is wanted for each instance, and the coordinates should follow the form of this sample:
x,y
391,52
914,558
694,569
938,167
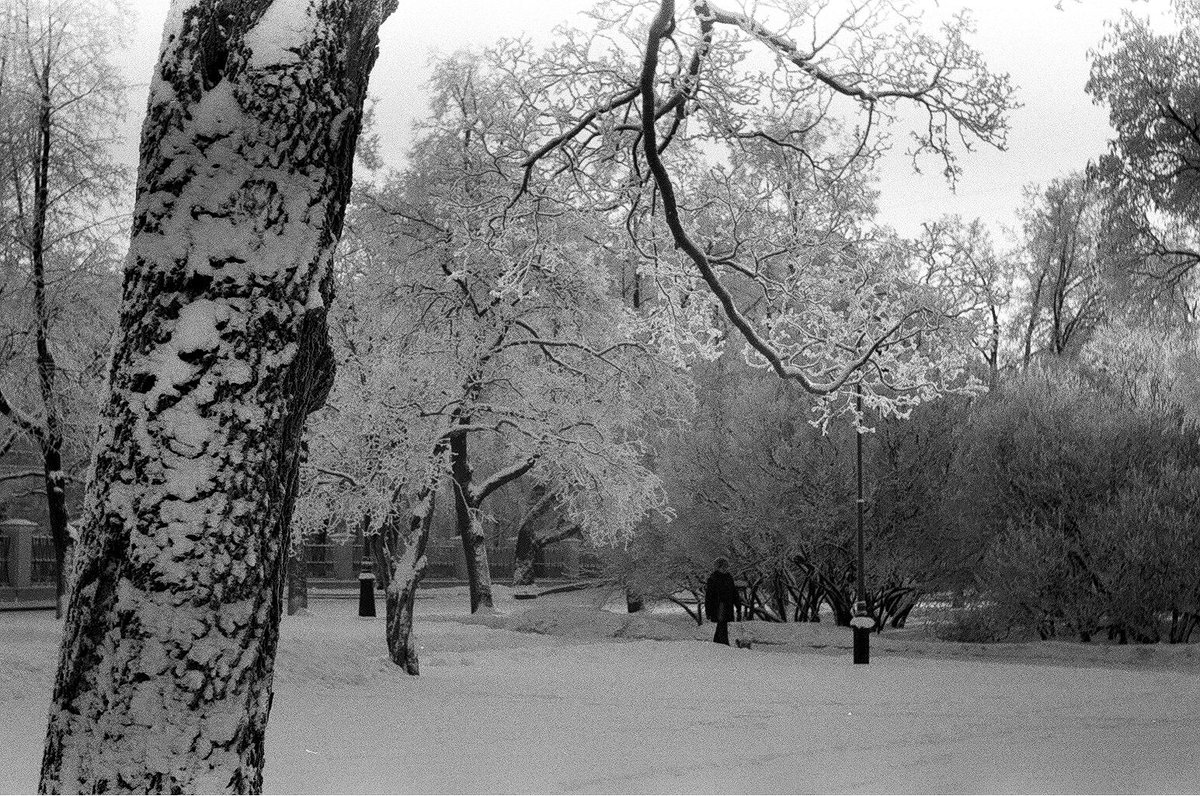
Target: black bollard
x,y
366,594
862,645
862,624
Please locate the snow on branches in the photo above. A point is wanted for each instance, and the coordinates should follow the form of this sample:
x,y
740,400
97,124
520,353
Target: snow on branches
x,y
735,149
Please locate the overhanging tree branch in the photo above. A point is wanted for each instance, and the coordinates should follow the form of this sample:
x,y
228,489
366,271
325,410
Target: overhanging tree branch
x,y
480,492
659,28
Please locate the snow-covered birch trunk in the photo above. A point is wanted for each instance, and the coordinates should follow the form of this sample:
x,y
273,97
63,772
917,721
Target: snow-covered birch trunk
x,y
397,551
164,680
406,562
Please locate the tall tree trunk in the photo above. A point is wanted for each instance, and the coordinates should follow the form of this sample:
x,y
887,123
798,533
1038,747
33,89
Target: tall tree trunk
x,y
164,680
51,440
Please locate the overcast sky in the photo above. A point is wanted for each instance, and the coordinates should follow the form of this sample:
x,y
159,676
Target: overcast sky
x,y
1044,49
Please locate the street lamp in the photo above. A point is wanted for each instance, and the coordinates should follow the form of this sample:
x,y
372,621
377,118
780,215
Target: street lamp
x,y
861,622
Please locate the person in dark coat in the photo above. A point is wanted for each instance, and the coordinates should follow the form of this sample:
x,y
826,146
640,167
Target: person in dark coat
x,y
721,598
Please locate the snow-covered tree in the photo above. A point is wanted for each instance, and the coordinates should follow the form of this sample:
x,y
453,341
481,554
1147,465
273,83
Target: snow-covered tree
x,y
165,676
479,359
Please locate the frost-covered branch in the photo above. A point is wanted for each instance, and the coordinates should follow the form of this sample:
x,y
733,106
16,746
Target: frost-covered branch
x,y
658,31
480,491
345,478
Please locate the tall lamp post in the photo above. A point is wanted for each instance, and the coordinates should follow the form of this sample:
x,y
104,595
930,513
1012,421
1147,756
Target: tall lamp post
x,y
862,622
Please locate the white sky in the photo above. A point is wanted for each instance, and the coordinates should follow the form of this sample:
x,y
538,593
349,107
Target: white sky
x,y
1042,47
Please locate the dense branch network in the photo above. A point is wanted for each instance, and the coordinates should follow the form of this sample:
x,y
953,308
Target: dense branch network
x,y
782,187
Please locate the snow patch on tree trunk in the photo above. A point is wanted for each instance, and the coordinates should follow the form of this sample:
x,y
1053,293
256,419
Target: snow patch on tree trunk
x,y
280,34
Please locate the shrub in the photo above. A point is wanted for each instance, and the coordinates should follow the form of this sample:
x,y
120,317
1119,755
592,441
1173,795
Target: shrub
x,y
1082,507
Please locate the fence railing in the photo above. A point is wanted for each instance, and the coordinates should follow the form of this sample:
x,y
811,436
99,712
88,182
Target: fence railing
x,y
321,562
444,562
42,568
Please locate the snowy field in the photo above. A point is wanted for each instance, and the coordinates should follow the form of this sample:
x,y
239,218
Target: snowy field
x,y
557,695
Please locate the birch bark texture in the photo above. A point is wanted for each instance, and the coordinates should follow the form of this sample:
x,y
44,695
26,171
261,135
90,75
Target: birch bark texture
x,y
165,674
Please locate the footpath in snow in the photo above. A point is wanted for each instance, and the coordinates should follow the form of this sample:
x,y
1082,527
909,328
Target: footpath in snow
x,y
558,695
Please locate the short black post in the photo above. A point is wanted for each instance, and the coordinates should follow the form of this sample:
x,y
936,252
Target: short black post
x,y
862,623
862,645
366,594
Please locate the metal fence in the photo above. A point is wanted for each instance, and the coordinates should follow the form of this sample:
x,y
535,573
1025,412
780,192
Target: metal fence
x,y
444,561
502,562
42,568
321,560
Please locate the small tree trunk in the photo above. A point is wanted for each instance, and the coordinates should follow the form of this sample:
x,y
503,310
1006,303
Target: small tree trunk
x,y
1191,622
524,572
470,527
524,566
1034,311
401,646
400,548
56,503
993,351
297,592
814,601
525,556
779,596
479,572
840,599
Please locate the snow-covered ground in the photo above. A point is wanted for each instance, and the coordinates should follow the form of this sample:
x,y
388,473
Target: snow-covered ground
x,y
556,695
